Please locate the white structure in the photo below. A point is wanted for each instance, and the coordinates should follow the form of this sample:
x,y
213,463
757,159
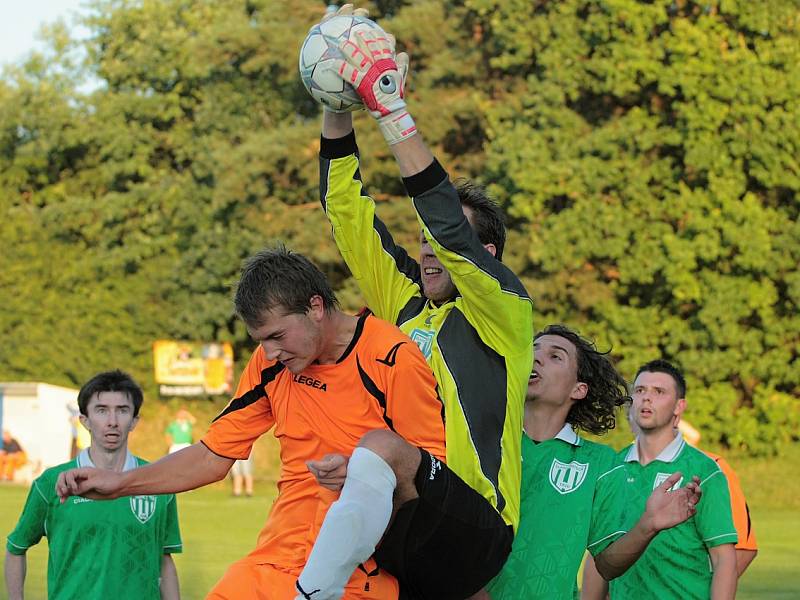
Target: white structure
x,y
38,416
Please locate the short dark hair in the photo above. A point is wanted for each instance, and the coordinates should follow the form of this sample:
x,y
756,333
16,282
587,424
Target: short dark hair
x,y
596,413
110,381
487,217
660,365
277,277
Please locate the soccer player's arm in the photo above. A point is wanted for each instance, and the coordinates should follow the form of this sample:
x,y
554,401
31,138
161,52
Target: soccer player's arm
x,y
413,407
715,526
168,584
29,530
593,586
665,508
171,543
610,518
15,568
493,298
386,275
248,416
746,547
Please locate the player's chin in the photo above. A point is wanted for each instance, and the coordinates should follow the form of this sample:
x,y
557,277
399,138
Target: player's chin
x,y
295,365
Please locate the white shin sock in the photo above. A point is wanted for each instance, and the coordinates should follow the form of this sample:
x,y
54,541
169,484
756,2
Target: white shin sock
x,y
351,529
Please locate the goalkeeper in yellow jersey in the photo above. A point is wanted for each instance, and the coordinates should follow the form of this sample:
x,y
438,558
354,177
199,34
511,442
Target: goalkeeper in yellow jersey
x,y
472,319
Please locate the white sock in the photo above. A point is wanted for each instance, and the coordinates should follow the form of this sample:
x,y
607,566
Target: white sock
x,y
352,528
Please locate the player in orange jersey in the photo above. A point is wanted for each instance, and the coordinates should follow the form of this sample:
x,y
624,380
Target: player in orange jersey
x,y
321,380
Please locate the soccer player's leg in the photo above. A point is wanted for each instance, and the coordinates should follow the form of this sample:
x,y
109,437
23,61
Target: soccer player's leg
x,y
448,543
380,472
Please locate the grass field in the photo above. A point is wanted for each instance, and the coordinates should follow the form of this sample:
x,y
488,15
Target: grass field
x,y
217,529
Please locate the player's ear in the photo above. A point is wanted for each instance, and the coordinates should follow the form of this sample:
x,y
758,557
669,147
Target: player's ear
x,y
316,308
680,406
491,248
579,391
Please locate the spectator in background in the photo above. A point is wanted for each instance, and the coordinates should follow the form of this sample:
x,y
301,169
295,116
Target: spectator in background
x,y
242,472
117,549
179,432
12,456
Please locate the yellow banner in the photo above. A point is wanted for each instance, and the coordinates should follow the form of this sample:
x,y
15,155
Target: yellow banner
x,y
193,368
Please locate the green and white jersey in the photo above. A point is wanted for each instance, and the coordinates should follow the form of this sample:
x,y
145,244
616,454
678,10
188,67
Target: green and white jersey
x,y
676,564
559,477
98,549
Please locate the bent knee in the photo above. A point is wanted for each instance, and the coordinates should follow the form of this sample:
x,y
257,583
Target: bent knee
x,y
402,457
386,444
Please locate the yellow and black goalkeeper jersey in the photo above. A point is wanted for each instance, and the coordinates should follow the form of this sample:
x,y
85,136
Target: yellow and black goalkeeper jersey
x,y
479,344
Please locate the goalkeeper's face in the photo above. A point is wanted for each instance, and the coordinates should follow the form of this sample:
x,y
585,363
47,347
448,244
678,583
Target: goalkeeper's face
x,y
437,285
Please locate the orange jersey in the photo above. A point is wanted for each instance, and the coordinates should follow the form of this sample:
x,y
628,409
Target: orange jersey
x,y
382,381
739,508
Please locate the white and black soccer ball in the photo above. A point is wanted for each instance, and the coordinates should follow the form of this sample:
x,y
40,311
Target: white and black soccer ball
x,y
319,50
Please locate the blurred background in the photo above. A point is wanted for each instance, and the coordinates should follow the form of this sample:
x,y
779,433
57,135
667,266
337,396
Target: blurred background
x,y
646,154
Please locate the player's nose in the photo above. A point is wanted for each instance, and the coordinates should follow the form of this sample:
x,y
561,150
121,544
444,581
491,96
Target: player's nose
x,y
271,351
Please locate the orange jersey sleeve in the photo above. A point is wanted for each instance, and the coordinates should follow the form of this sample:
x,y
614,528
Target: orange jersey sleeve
x,y
248,416
739,508
411,403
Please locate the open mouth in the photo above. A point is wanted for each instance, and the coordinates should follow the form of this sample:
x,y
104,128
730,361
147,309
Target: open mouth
x,y
534,377
432,271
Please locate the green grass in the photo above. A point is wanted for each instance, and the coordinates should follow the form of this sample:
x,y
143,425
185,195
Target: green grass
x,y
218,529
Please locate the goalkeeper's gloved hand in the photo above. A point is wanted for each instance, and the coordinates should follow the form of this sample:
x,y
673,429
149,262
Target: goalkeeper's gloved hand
x,y
379,76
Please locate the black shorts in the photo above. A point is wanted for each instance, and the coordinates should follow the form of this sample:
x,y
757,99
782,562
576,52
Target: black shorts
x,y
448,543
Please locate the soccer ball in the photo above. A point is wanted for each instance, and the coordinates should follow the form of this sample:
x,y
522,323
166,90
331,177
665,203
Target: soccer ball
x,y
317,54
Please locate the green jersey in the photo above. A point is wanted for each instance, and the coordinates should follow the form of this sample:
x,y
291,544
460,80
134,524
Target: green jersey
x,y
676,564
559,478
98,549
180,432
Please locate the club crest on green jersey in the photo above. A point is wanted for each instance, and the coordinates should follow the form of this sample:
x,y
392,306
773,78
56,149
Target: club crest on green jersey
x,y
567,477
423,339
143,507
662,477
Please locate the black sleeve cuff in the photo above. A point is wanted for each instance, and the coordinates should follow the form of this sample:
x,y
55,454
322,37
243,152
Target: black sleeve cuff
x,y
338,147
425,180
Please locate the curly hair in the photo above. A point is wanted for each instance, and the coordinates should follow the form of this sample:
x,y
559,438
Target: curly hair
x,y
596,413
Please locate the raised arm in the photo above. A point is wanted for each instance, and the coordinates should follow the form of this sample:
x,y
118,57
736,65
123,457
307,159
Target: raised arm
x,y
387,276
493,296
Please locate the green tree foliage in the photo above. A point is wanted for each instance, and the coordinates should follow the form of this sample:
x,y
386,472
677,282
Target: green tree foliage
x,y
650,150
646,152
